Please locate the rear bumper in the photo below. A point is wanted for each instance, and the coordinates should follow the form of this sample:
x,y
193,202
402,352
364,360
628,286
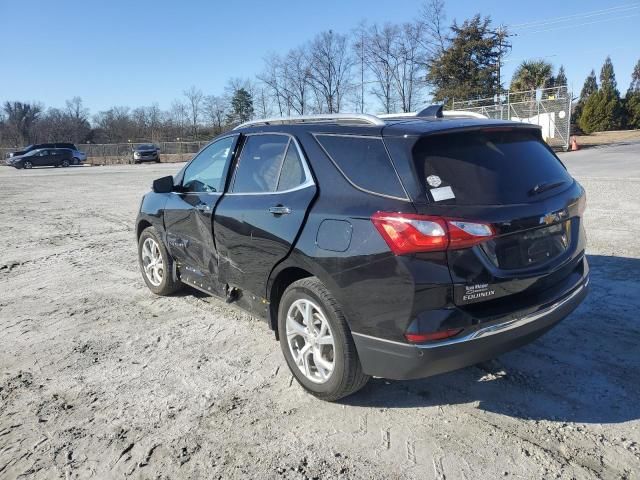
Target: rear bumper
x,y
403,361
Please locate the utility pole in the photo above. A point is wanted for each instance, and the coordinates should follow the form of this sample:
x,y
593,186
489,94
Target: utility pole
x,y
503,46
362,71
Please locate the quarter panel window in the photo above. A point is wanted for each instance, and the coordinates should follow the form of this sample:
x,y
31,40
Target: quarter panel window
x,y
260,163
364,162
205,172
292,173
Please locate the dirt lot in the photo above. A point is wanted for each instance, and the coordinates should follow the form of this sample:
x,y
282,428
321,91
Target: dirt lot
x,y
100,378
606,138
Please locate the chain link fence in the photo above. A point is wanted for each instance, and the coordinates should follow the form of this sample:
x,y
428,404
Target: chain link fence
x,y
548,107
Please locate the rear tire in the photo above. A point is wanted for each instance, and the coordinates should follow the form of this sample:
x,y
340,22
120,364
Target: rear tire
x,y
313,349
156,265
65,163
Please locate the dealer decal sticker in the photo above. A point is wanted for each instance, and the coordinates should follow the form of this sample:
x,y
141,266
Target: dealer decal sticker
x,y
473,292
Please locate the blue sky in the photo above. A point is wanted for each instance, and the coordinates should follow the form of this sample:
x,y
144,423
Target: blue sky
x,y
137,52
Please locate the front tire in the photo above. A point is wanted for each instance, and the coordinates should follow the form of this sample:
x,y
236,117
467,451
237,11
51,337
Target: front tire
x,y
317,343
65,163
156,265
27,165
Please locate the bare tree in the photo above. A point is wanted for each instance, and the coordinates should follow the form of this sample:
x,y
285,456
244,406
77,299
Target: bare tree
x,y
154,121
432,19
179,116
380,57
297,76
140,123
114,125
273,77
330,65
194,104
262,102
215,108
409,60
21,120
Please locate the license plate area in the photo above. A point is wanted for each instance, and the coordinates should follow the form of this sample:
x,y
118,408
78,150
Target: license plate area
x,y
530,248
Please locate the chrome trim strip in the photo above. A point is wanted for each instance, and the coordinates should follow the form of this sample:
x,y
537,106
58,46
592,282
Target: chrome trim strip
x,y
508,325
490,330
378,339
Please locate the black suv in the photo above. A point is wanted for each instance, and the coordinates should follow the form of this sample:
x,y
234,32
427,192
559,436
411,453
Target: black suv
x,y
43,157
38,146
399,247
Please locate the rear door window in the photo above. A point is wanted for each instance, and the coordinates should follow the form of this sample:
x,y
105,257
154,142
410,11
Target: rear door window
x,y
364,162
488,167
260,163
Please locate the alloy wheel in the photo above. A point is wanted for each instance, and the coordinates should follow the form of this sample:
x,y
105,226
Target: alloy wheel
x,y
310,340
152,262
28,164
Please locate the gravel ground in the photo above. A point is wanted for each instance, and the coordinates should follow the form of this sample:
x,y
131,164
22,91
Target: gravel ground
x,y
100,378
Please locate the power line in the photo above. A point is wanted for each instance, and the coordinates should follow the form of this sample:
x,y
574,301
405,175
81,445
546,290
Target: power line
x,y
577,16
573,25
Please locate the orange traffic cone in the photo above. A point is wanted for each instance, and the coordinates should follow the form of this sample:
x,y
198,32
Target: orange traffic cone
x,y
574,144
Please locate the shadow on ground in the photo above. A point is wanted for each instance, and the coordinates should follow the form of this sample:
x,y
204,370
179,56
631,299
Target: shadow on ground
x,y
586,369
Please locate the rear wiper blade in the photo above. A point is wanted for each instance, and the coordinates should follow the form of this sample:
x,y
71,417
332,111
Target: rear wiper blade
x,y
543,187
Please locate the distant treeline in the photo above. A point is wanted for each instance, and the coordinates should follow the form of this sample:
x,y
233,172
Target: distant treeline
x,y
376,68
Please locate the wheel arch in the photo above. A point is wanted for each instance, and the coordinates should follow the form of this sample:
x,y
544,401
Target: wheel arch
x,y
296,267
142,225
281,280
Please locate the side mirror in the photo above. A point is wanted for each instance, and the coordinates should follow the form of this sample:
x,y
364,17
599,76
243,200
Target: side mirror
x,y
163,185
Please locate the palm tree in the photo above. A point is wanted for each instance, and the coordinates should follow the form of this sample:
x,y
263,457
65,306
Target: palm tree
x,y
531,75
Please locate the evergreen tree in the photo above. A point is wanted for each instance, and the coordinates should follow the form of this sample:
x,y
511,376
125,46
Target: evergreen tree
x,y
468,66
603,109
561,78
241,106
634,86
590,87
632,99
607,77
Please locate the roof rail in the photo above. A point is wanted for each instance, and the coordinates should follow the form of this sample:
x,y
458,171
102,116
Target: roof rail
x,y
354,118
443,113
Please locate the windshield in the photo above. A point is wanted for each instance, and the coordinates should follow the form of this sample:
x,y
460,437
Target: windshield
x,y
487,167
146,147
31,153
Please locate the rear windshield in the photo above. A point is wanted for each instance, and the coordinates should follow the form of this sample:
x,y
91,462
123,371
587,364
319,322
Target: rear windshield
x,y
487,167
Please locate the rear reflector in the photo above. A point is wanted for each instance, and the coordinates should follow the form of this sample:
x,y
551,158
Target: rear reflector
x,y
433,336
407,233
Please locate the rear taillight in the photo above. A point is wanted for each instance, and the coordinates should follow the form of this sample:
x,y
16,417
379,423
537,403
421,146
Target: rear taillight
x,y
432,336
407,233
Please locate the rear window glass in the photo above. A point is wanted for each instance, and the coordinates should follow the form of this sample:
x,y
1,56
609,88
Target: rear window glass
x,y
487,167
259,163
364,162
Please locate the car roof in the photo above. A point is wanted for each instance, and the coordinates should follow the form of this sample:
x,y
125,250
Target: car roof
x,y
391,126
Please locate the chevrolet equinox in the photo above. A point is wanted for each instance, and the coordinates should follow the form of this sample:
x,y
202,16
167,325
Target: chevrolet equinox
x,y
398,247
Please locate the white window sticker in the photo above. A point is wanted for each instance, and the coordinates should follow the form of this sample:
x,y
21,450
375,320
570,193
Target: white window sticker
x,y
442,193
434,181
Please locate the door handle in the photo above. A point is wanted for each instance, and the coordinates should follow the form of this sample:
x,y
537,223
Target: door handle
x,y
279,210
203,207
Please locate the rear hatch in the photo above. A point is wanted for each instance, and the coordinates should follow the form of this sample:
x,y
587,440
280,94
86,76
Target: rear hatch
x,y
506,178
